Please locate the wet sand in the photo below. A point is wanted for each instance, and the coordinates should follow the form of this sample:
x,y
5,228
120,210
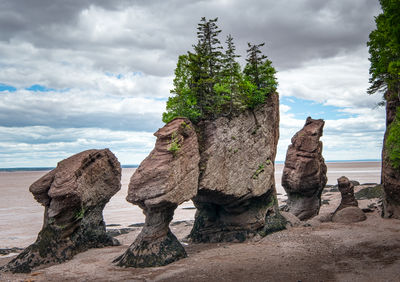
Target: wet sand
x,y
21,216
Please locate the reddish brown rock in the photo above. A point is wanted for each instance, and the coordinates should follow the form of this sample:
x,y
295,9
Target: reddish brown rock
x,y
74,195
165,179
237,194
349,215
390,175
304,173
346,189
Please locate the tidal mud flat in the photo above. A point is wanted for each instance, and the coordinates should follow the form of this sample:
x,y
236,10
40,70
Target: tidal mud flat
x,y
306,251
21,216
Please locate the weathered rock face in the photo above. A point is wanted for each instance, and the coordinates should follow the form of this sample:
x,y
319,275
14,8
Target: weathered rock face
x,y
74,195
304,174
166,178
390,175
236,184
346,189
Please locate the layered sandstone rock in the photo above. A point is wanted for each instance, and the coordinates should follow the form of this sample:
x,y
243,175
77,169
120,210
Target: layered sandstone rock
x,y
166,178
236,194
390,175
74,195
304,173
346,189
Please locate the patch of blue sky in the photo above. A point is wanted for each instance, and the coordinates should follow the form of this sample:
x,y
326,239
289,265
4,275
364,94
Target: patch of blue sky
x,y
301,109
137,73
161,99
42,88
116,75
39,88
5,87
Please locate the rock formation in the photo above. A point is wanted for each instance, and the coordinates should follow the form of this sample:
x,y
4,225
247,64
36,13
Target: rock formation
x,y
236,194
346,189
390,175
165,179
74,195
304,173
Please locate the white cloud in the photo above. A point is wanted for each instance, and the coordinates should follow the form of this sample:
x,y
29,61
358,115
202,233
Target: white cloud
x,y
45,146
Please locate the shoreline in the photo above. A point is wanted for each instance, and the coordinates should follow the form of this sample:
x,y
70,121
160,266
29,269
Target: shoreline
x,y
36,169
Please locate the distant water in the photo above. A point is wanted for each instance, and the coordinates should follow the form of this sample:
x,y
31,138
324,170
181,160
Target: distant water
x,y
12,169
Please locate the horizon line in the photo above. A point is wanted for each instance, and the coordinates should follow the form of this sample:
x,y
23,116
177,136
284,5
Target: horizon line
x,y
40,168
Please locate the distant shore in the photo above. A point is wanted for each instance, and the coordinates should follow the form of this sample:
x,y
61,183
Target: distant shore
x,y
12,169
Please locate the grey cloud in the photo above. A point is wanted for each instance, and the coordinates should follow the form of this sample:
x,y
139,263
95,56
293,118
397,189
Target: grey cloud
x,y
295,31
78,110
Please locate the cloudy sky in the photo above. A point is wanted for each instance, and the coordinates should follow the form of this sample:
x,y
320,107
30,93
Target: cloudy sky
x,y
76,75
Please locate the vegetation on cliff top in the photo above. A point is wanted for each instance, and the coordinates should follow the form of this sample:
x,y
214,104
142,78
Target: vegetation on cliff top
x,y
209,82
384,49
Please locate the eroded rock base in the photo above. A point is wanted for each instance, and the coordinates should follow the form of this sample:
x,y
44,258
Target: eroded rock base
x,y
302,206
236,221
144,253
58,243
156,245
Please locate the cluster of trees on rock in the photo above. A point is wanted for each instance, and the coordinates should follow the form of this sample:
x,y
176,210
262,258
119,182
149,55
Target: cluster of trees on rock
x,y
384,49
209,82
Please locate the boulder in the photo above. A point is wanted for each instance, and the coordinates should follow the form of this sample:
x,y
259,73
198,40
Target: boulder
x,y
166,178
237,194
349,215
74,195
346,189
304,173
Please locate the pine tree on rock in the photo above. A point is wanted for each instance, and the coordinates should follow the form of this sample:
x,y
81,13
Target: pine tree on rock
x,y
205,67
209,83
183,103
259,76
228,87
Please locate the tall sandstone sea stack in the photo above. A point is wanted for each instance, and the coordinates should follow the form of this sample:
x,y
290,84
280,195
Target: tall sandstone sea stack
x,y
304,173
237,193
226,166
390,174
166,178
74,195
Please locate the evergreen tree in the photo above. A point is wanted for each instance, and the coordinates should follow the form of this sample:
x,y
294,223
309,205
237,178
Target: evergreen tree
x,y
183,103
259,76
205,65
228,87
384,49
208,83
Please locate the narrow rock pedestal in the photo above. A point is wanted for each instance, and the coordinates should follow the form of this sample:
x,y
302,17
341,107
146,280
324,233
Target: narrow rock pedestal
x,y
346,189
304,174
156,245
74,195
165,179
